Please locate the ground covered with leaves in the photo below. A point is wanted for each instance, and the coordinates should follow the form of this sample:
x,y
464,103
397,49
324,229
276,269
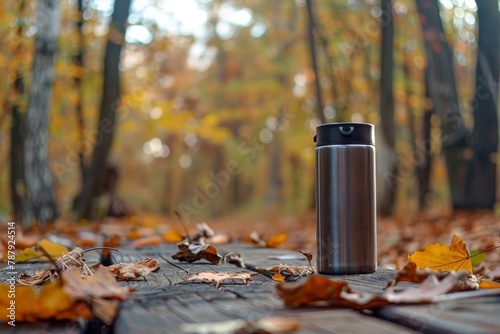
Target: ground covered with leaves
x,y
442,253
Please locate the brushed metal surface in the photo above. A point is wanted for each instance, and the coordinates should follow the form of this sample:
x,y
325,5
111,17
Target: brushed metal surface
x,y
345,209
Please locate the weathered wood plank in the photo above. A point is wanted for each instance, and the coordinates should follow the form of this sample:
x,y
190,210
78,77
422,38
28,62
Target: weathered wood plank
x,y
472,315
162,301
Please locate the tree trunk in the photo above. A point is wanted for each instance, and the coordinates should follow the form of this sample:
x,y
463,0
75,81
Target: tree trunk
x,y
312,50
386,203
78,62
17,130
480,186
109,103
443,93
423,169
40,204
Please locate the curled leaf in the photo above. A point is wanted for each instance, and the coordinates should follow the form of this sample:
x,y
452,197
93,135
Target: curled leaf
x,y
129,271
194,252
71,260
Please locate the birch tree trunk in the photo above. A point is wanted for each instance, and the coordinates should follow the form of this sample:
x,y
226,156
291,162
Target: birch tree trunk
x,y
40,204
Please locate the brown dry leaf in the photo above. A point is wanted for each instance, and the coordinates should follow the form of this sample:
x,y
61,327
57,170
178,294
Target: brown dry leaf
x,y
218,278
308,255
130,271
315,288
153,240
410,273
455,257
194,252
172,236
319,290
276,240
101,285
291,273
202,233
73,259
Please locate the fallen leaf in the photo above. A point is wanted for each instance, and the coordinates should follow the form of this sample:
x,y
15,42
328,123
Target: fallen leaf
x,y
129,271
201,234
73,259
277,277
292,273
486,284
100,285
172,236
308,255
71,297
54,250
194,252
218,278
153,240
27,254
322,291
50,301
315,288
440,257
410,273
276,240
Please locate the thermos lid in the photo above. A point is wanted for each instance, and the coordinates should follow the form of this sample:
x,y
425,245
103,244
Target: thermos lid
x,y
345,134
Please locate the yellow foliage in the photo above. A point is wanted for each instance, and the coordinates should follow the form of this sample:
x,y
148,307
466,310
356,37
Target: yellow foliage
x,y
440,257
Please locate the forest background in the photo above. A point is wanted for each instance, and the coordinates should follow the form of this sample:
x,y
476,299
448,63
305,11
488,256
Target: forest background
x,y
209,107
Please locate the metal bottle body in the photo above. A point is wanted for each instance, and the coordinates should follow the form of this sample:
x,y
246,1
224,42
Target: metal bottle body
x,y
346,209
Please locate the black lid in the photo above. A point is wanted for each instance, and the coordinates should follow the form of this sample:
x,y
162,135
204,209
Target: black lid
x,y
345,134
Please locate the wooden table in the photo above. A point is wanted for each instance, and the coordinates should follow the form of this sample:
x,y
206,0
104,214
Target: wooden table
x,y
161,302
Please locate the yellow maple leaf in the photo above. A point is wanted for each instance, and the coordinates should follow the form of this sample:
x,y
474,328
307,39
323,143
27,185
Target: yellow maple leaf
x,y
440,257
54,250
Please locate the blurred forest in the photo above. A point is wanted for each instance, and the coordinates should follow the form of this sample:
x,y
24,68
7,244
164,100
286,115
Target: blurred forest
x,y
209,107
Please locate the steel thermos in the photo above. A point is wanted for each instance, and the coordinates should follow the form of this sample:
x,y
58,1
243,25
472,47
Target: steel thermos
x,y
345,198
